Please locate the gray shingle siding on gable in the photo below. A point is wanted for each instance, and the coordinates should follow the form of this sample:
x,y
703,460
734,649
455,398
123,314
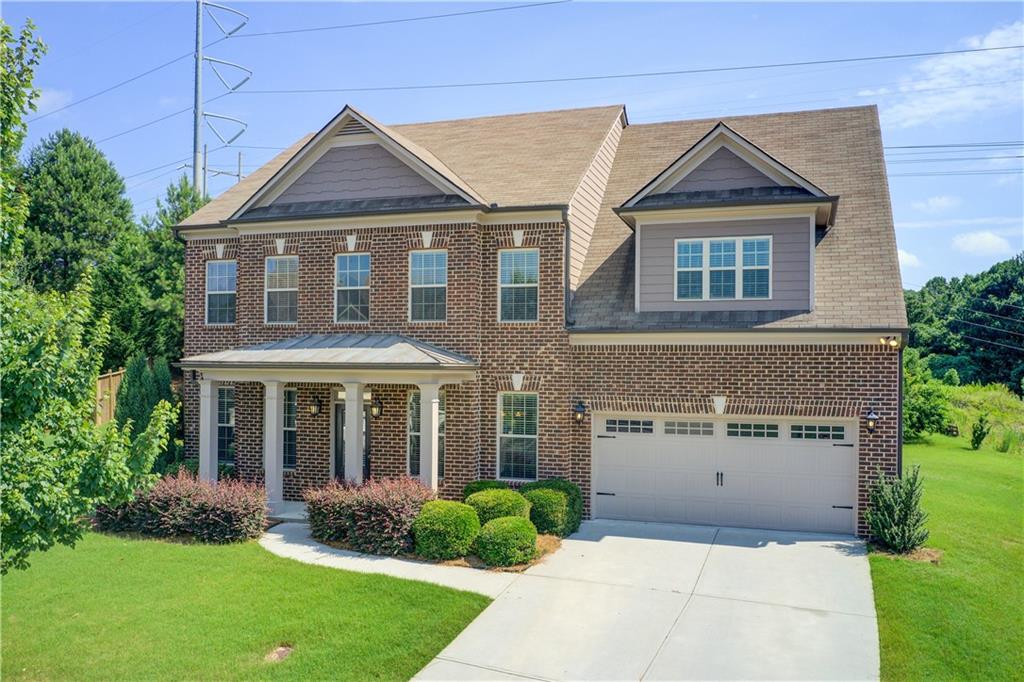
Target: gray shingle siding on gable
x,y
790,264
722,170
359,172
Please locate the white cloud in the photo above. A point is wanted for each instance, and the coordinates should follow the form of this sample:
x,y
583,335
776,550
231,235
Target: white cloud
x,y
937,204
908,260
50,99
959,222
984,243
935,92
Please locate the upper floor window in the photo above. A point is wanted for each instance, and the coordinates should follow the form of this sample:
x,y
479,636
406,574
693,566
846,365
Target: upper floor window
x,y
428,286
416,434
220,291
518,275
289,426
282,289
733,269
352,288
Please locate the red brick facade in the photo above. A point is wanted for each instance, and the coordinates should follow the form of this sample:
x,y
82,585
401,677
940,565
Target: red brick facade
x,y
818,380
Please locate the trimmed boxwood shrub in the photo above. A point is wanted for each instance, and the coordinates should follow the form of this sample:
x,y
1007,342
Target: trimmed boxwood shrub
x,y
477,486
572,493
181,504
507,541
329,511
495,503
549,510
445,530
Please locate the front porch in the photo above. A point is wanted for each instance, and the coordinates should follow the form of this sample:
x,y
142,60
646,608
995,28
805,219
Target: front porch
x,y
287,512
295,409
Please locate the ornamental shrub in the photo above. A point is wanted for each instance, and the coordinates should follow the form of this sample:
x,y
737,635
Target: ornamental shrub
x,y
329,511
572,493
549,510
181,504
477,486
496,502
445,530
383,511
894,512
507,541
979,431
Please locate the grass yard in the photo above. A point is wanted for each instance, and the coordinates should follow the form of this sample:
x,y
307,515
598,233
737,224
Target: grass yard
x,y
118,608
962,619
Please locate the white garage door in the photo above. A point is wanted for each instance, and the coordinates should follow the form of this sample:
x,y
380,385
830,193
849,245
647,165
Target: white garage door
x,y
791,474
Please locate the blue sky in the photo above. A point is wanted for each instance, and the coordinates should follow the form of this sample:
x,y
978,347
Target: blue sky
x,y
946,224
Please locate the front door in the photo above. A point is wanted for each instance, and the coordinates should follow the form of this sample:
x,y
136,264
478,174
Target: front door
x,y
339,441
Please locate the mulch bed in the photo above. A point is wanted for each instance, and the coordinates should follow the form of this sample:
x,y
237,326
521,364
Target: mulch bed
x,y
546,544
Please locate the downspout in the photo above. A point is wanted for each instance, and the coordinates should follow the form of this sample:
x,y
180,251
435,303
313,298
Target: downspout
x,y
565,260
899,413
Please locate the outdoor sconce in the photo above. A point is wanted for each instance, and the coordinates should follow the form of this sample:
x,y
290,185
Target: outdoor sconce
x,y
376,408
314,407
579,411
890,341
871,420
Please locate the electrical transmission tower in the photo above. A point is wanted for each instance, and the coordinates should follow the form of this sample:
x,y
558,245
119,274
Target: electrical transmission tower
x,y
198,114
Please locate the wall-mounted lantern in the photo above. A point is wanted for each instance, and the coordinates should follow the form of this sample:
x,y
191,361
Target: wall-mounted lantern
x,y
376,407
871,420
579,411
314,407
890,341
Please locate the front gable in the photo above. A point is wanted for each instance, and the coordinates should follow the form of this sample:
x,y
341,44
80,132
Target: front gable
x,y
357,165
722,170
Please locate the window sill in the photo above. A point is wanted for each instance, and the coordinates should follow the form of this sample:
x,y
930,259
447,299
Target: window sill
x,y
281,324
219,324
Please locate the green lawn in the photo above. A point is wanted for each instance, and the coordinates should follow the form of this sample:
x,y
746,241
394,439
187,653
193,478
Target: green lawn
x,y
962,619
117,608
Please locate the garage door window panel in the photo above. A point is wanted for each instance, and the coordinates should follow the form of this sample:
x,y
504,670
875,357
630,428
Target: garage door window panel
x,y
680,428
517,436
817,432
751,430
629,425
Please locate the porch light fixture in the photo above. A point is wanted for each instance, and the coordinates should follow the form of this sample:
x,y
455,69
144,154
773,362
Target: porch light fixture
x,y
314,407
890,341
871,420
579,411
376,408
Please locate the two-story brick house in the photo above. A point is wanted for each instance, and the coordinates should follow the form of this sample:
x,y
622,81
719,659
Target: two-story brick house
x,y
696,321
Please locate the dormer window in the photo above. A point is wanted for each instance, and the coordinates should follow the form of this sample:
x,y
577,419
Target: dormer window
x,y
719,276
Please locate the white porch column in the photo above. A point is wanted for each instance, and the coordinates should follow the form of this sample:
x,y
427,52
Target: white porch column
x,y
354,431
430,414
207,430
273,440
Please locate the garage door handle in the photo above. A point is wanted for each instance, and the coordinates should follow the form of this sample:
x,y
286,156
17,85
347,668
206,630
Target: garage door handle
x,y
606,436
842,445
842,506
608,494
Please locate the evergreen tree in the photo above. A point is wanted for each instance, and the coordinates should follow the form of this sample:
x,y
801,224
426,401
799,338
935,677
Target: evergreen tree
x,y
136,396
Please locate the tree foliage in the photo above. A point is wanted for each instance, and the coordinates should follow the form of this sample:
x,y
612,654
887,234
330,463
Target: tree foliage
x,y
925,406
973,324
77,210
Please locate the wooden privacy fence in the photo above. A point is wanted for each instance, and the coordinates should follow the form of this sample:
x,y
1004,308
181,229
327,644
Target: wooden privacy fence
x,y
106,395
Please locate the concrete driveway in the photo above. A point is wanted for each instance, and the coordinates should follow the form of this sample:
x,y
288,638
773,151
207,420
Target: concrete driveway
x,y
631,601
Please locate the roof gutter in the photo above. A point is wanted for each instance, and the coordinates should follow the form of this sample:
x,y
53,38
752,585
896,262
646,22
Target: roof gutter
x,y
733,330
185,364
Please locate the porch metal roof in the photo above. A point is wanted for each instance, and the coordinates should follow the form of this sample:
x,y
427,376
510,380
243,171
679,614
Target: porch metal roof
x,y
335,351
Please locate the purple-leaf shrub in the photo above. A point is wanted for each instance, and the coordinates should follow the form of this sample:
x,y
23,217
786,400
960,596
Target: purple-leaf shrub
x,y
329,511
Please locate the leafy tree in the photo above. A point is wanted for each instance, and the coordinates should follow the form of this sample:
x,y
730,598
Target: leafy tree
x,y
18,60
951,377
77,210
58,465
979,431
165,268
925,404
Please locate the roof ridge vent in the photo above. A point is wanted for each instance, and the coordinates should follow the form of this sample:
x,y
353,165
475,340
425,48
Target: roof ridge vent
x,y
352,127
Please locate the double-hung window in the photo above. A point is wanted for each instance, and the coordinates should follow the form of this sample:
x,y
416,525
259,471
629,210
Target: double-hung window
x,y
518,276
220,291
517,436
416,435
226,424
352,288
723,268
428,286
282,289
288,426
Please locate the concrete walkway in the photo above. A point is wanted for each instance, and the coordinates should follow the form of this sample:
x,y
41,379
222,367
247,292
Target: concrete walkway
x,y
638,601
292,541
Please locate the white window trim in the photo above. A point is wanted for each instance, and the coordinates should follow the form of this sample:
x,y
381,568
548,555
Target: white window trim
x,y
428,286
706,268
206,312
293,429
499,436
340,288
231,423
518,286
409,432
267,290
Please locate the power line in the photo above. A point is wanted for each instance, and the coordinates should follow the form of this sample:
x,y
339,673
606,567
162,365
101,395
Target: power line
x,y
644,74
179,112
89,46
927,174
988,326
997,302
382,22
964,158
1001,317
1016,143
1019,349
